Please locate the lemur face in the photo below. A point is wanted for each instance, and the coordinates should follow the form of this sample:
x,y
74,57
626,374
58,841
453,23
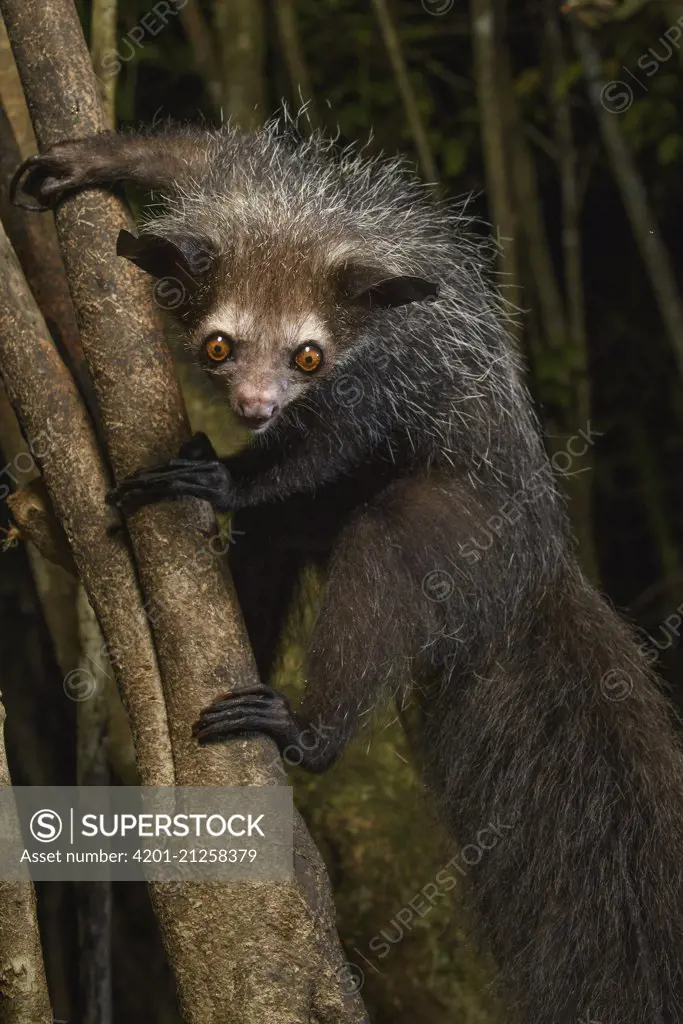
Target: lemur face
x,y
277,324
270,313
263,361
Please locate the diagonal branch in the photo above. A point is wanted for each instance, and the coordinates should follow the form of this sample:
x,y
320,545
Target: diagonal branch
x,y
49,409
633,195
201,40
245,952
405,87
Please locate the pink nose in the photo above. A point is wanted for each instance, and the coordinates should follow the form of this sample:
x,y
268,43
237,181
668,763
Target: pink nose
x,y
256,409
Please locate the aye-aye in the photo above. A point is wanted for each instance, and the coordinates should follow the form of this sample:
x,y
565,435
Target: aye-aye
x,y
346,319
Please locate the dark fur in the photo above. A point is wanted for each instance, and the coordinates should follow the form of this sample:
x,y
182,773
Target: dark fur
x,y
514,665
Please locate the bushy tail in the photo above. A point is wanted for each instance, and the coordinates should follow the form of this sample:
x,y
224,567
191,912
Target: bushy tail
x,y
565,742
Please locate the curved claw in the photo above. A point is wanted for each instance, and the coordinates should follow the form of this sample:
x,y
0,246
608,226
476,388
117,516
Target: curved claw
x,y
144,482
171,470
259,690
257,710
16,182
177,478
48,177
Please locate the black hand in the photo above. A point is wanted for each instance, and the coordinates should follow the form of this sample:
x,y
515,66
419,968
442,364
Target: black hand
x,y
198,447
48,177
256,710
179,478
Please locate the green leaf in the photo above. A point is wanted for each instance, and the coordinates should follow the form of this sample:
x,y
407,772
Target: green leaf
x,y
454,157
670,149
528,82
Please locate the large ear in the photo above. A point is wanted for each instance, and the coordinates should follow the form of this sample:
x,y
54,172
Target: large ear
x,y
186,256
369,288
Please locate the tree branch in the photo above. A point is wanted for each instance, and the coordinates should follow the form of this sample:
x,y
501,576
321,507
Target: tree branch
x,y
245,952
24,997
32,512
13,96
34,238
48,407
103,44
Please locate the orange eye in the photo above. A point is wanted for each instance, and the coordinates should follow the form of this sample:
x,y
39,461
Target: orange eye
x,y
218,347
308,358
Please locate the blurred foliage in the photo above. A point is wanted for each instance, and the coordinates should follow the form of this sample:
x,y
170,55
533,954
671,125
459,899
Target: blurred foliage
x,y
370,814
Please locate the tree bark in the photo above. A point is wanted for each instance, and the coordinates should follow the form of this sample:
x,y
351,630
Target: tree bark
x,y
34,238
56,588
241,953
24,997
13,96
94,899
103,43
48,407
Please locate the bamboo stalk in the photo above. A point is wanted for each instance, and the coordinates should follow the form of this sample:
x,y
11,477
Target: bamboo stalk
x,y
241,30
295,59
405,87
634,197
485,36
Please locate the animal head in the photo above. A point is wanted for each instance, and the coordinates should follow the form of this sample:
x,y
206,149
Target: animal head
x,y
268,320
